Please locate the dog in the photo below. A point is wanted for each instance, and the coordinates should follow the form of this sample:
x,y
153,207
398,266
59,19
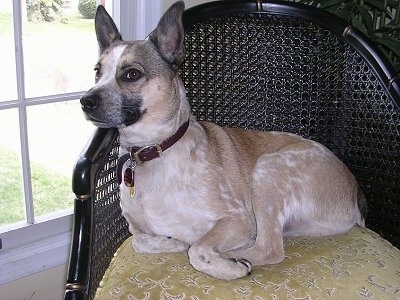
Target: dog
x,y
226,196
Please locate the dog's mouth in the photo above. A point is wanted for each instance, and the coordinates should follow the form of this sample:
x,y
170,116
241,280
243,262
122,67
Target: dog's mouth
x,y
131,115
98,122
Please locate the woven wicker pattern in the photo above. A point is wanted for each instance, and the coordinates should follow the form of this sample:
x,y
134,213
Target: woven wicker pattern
x,y
274,72
282,73
110,228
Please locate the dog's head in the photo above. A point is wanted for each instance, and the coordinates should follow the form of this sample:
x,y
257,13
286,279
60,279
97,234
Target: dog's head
x,y
137,82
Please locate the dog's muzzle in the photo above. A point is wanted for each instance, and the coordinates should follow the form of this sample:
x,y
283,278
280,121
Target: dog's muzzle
x,y
115,116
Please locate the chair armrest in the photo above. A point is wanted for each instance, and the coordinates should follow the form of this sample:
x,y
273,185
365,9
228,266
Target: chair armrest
x,y
98,227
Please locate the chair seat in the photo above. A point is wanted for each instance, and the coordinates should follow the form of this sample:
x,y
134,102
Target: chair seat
x,y
356,265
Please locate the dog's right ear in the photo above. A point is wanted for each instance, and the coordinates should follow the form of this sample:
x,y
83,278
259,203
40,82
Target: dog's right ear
x,y
106,30
169,35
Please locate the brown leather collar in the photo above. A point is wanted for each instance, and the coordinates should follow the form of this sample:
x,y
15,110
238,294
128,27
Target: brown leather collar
x,y
140,155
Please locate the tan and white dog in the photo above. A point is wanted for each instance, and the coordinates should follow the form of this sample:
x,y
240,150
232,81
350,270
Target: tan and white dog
x,y
228,196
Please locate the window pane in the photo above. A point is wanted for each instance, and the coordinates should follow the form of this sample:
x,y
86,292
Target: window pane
x,y
7,74
12,207
60,50
57,134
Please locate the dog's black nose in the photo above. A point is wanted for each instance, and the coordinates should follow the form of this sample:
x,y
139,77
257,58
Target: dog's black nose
x,y
89,102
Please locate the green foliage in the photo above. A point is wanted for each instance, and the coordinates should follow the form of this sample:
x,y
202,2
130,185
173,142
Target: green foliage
x,y
378,19
87,8
45,10
51,191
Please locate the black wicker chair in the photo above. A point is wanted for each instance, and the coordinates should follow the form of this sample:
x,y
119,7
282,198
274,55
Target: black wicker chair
x,y
266,66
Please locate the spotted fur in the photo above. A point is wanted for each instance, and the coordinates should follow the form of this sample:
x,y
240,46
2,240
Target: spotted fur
x,y
227,196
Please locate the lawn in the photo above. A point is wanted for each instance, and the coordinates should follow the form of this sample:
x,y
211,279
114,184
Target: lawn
x,y
58,58
51,191
75,22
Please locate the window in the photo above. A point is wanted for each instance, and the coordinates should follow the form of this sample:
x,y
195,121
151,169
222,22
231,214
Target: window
x,y
48,54
42,127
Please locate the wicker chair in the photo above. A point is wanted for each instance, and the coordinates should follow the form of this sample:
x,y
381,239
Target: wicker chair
x,y
266,66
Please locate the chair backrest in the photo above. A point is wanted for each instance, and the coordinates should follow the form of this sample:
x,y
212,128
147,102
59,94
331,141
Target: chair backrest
x,y
288,67
266,66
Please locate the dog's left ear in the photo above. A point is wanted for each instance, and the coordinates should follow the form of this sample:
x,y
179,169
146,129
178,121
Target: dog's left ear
x,y
106,30
168,35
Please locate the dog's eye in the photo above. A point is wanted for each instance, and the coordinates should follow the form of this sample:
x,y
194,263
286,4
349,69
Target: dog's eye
x,y
133,75
97,76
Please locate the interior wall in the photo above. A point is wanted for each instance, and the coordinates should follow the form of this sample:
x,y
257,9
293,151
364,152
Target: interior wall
x,y
45,285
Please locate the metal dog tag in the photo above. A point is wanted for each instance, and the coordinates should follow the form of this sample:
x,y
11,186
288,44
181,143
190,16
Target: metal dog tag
x,y
129,179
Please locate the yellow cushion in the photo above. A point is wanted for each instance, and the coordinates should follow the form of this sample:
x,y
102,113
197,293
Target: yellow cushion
x,y
355,265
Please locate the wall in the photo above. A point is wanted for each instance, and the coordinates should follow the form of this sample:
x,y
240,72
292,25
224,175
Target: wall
x,y
45,285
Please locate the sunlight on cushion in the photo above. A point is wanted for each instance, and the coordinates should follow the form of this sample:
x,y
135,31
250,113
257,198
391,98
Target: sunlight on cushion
x,y
356,265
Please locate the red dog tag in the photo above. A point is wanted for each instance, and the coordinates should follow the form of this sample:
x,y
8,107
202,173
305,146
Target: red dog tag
x,y
129,180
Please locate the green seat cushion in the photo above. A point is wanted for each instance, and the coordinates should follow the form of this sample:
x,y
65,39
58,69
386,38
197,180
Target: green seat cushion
x,y
356,265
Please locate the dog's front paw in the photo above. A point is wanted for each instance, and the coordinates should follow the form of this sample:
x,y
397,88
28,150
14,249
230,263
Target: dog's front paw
x,y
212,263
146,243
244,262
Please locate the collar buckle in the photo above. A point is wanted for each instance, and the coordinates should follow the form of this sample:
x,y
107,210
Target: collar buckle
x,y
150,151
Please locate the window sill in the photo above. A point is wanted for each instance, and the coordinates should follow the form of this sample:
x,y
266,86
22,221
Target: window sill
x,y
35,248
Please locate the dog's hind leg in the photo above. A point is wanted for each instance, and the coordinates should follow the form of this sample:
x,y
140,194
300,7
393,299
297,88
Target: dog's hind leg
x,y
206,255
268,246
269,188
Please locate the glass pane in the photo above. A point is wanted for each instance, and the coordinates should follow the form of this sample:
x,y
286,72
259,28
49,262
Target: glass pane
x,y
60,49
12,207
7,74
57,134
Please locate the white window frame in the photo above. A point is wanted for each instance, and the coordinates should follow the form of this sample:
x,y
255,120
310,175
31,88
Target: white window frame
x,y
44,242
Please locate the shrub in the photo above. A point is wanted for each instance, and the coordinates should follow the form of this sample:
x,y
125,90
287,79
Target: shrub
x,y
45,10
87,8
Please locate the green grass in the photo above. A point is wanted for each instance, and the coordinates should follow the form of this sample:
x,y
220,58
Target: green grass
x,y
75,22
51,191
5,23
11,196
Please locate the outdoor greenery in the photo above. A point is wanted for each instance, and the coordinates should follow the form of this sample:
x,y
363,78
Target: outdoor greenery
x,y
45,10
49,189
51,171
378,19
87,8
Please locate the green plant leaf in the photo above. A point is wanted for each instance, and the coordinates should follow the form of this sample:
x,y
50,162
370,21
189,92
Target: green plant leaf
x,y
390,44
366,19
393,3
377,4
357,24
330,3
391,26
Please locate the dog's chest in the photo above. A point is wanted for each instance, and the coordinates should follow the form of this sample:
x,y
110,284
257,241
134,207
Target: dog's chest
x,y
169,201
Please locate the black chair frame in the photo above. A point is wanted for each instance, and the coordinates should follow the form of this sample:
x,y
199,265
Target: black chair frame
x,y
270,65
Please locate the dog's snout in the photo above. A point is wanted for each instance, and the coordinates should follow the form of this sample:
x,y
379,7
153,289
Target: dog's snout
x,y
89,102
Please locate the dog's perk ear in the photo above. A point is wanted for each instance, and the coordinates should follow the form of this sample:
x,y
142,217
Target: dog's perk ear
x,y
168,35
106,30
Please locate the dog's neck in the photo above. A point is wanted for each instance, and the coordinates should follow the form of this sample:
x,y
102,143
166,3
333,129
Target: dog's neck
x,y
139,155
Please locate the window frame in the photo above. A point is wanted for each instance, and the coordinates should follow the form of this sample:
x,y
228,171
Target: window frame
x,y
40,243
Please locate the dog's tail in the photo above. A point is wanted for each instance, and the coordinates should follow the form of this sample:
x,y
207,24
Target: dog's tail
x,y
362,206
